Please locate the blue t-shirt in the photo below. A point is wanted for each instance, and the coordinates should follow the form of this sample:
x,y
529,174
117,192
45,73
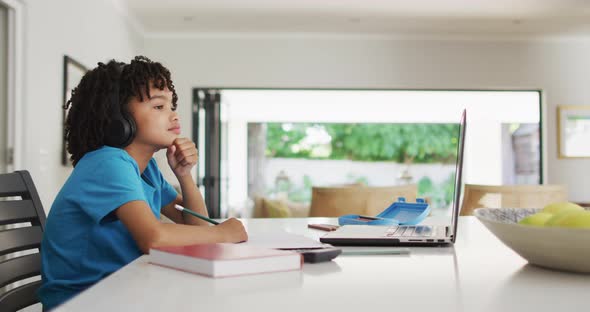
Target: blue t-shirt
x,y
83,240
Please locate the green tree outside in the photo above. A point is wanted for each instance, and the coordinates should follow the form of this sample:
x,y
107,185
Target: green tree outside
x,y
409,143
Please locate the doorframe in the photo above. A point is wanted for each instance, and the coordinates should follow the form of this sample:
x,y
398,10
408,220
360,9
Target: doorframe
x,y
15,95
207,101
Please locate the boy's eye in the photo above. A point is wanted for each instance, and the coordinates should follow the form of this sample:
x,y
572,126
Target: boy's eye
x,y
160,107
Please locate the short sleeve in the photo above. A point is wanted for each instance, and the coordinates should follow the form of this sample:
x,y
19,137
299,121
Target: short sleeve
x,y
168,193
108,185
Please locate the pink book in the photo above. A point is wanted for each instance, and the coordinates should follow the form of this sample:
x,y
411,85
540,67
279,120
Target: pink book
x,y
224,260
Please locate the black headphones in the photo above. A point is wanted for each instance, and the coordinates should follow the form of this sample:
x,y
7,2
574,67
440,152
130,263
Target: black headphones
x,y
121,130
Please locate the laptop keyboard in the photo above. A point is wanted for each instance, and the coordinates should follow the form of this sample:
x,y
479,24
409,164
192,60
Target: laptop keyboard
x,y
410,230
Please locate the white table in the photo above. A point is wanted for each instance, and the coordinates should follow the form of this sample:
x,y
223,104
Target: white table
x,y
478,274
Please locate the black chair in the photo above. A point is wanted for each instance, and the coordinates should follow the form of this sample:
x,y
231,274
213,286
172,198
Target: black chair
x,y
17,239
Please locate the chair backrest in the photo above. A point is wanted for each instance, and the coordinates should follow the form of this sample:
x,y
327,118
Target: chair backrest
x,y
15,268
338,201
510,196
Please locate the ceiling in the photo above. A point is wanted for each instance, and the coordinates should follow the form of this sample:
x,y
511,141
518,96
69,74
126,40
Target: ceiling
x,y
363,17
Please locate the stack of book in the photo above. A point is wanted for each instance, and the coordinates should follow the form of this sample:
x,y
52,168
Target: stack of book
x,y
224,260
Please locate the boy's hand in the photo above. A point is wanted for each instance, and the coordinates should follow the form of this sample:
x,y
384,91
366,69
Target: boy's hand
x,y
182,156
232,231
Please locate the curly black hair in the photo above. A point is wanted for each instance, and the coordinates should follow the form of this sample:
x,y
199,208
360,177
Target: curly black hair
x,y
90,107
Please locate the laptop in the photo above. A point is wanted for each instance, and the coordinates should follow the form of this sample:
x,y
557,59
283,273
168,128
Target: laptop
x,y
406,235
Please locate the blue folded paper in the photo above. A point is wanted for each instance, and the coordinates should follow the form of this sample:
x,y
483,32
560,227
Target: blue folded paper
x,y
398,213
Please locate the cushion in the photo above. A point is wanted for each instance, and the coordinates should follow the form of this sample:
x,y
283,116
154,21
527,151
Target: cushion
x,y
276,208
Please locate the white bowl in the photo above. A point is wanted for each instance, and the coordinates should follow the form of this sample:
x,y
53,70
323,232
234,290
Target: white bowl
x,y
551,247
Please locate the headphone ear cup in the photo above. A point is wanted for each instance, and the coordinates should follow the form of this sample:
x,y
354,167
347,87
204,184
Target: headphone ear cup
x,y
130,129
121,129
117,133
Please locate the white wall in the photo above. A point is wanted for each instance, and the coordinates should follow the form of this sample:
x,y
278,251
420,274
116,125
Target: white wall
x,y
89,31
558,67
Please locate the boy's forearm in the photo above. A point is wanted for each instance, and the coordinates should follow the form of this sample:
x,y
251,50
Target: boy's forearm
x,y
193,200
170,234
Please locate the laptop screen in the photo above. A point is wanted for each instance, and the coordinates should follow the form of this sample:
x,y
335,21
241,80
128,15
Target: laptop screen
x,y
458,175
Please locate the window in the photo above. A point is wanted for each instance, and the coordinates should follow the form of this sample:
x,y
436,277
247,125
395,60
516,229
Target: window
x,y
276,144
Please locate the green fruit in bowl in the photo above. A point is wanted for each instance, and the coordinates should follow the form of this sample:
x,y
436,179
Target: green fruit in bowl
x,y
555,208
575,219
558,217
537,219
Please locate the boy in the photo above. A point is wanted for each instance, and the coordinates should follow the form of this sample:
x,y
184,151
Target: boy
x,y
107,213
